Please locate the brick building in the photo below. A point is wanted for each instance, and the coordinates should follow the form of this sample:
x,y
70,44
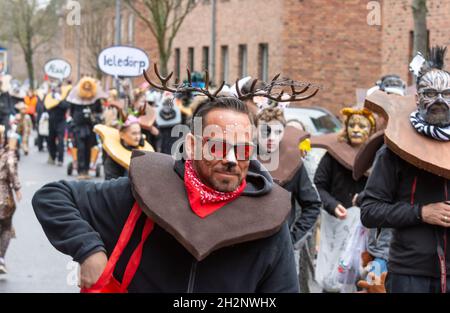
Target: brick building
x,y
133,33
329,42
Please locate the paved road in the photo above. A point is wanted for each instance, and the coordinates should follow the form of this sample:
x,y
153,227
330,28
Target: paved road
x,y
33,264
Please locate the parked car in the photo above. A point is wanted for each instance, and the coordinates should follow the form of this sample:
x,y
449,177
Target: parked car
x,y
316,121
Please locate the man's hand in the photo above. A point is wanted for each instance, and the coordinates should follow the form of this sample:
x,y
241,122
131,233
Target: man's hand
x,y
340,212
91,269
377,284
437,214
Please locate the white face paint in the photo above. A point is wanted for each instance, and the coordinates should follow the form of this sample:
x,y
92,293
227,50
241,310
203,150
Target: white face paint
x,y
434,97
270,135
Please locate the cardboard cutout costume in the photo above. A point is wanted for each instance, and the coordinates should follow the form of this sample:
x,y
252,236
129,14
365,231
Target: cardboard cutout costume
x,y
85,110
117,161
113,146
279,151
412,172
290,157
421,151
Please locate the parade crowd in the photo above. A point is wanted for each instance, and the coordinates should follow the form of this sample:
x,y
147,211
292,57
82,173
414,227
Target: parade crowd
x,y
237,204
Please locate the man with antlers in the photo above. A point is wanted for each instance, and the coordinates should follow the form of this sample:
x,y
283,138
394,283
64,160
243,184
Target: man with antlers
x,y
213,221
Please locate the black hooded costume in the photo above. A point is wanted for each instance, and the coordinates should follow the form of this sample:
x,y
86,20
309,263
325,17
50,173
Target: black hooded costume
x,y
243,247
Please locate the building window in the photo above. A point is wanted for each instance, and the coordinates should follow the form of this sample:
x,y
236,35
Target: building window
x,y
263,60
225,63
243,61
205,59
191,59
177,64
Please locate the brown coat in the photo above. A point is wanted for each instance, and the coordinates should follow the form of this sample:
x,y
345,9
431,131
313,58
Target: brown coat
x,y
9,181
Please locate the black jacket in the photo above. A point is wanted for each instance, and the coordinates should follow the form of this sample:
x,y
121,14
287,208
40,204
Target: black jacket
x,y
57,115
6,107
303,193
389,202
81,218
335,184
113,170
85,115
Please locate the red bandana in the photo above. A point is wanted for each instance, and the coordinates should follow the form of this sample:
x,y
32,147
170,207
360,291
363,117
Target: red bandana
x,y
204,200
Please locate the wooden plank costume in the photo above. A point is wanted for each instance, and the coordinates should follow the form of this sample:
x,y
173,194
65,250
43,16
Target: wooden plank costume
x,y
412,171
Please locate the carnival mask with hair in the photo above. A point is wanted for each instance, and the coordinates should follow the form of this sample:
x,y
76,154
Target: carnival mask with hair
x,y
433,90
359,125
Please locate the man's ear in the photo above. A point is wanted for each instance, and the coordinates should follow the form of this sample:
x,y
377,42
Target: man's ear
x,y
190,146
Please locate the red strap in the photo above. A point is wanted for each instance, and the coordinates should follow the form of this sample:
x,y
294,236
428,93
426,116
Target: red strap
x,y
135,259
413,190
124,238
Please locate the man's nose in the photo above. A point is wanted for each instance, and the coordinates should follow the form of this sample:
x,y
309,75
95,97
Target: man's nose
x,y
231,157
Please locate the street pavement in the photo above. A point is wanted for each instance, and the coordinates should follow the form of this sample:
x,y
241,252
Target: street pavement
x,y
33,264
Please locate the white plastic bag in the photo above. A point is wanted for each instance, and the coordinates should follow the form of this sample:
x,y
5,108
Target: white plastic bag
x,y
334,237
43,129
348,270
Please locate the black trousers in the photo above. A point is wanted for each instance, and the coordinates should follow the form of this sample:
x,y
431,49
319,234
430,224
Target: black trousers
x,y
396,283
84,142
55,141
40,142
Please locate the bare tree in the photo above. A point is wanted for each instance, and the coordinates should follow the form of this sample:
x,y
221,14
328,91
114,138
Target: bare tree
x,y
163,18
94,25
31,24
420,12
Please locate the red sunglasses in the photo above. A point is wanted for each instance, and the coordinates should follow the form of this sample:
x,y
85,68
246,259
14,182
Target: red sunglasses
x,y
219,149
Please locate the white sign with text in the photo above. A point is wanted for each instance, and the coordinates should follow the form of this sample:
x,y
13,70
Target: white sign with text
x,y
123,61
58,69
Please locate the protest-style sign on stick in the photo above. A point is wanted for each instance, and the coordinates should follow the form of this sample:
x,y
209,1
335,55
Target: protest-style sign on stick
x,y
123,61
58,69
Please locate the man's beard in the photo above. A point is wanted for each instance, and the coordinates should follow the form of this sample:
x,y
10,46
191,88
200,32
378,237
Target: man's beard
x,y
440,118
226,185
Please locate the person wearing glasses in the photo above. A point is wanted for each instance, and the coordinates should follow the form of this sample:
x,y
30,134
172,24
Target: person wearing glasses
x,y
213,221
409,187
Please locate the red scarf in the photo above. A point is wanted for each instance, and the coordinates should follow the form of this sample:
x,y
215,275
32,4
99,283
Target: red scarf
x,y
204,200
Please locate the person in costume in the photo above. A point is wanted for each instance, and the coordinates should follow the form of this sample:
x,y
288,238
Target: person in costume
x,y
85,111
118,144
41,121
168,116
334,176
147,114
6,108
57,109
391,84
338,189
24,126
16,93
31,100
213,222
280,143
408,189
9,185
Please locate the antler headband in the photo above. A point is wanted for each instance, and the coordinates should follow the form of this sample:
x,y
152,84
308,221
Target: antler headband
x,y
267,92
